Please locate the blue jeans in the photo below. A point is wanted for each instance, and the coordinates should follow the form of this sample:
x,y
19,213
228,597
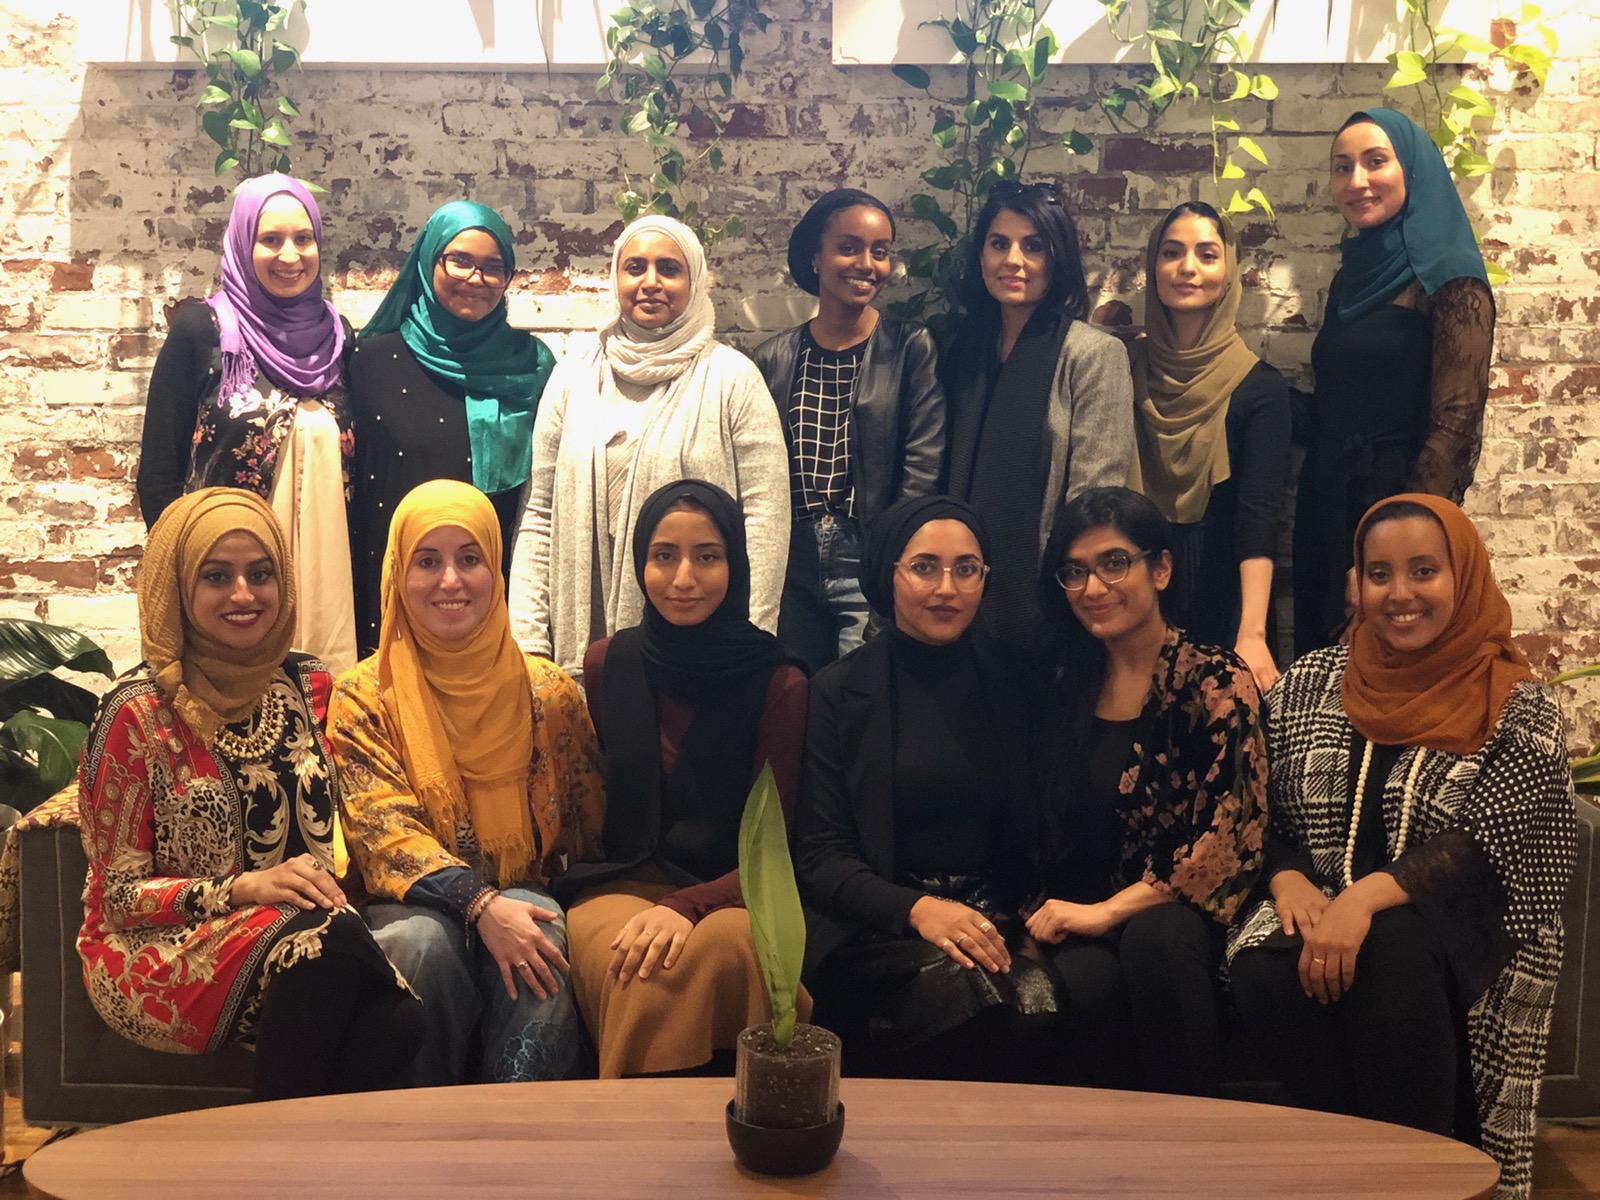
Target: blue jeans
x,y
824,614
462,994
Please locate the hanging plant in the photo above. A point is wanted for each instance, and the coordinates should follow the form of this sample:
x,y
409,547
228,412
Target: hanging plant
x,y
667,99
1196,49
1459,120
984,135
243,108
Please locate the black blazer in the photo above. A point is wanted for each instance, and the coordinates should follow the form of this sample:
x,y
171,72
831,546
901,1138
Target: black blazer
x,y
896,420
845,850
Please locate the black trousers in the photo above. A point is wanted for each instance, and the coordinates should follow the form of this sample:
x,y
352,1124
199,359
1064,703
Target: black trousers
x,y
1140,1005
1392,1048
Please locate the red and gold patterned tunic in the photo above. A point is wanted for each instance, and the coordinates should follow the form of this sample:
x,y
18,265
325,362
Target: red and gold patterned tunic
x,y
168,825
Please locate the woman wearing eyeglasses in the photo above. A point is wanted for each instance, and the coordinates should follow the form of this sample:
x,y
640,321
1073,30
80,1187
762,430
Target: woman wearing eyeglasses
x,y
442,388
653,398
1040,403
1151,774
912,848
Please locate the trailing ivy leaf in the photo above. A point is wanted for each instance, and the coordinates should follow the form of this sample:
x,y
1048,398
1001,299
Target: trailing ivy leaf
x,y
1230,169
214,124
1237,204
226,161
1472,100
286,107
1077,143
714,158
213,95
1409,69
1530,57
772,900
912,76
638,123
248,62
1469,164
1249,146
273,134
1263,88
1006,89
1256,196
927,208
733,227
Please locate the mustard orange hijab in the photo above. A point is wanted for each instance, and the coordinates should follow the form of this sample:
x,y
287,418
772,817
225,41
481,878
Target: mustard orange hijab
x,y
1448,695
462,711
210,684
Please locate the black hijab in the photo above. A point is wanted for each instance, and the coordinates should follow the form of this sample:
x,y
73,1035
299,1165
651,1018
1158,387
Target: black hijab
x,y
720,669
894,528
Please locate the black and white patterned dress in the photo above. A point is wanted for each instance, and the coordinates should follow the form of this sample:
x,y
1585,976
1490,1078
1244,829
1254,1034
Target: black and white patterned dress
x,y
1512,801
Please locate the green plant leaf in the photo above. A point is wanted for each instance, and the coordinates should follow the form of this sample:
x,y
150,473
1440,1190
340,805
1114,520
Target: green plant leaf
x,y
1533,58
1077,143
1249,146
1257,197
1496,273
927,208
1409,68
912,76
1006,89
214,95
51,745
226,161
29,648
1230,169
772,899
1468,164
214,123
52,695
286,107
1472,100
246,62
273,134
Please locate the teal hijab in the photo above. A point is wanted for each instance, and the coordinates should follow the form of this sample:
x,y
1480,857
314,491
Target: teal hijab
x,y
1429,239
503,370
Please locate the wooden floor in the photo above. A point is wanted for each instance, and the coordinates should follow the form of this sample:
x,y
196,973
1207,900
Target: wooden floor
x,y
1566,1158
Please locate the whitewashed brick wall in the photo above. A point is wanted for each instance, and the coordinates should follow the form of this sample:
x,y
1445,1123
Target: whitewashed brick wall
x,y
109,213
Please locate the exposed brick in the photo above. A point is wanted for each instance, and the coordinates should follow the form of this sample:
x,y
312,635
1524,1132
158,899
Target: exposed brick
x,y
1146,155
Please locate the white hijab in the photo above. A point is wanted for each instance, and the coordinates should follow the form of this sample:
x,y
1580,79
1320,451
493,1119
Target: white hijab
x,y
657,356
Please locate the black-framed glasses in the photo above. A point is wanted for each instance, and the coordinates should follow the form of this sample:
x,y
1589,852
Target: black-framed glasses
x,y
1009,189
1112,568
926,573
492,271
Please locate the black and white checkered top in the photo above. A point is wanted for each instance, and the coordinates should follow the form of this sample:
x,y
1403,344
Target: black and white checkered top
x,y
819,428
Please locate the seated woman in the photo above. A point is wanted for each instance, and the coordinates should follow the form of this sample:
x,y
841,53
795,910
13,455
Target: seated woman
x,y
1152,778
470,776
912,851
690,704
1212,434
652,398
1421,842
212,913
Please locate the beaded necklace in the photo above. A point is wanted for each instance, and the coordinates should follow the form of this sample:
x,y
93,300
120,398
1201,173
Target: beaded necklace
x,y
263,739
1355,811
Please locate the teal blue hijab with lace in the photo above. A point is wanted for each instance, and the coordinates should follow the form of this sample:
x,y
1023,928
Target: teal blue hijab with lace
x,y
1429,239
502,370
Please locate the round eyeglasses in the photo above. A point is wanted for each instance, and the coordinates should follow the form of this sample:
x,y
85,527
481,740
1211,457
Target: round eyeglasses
x,y
1113,568
494,273
925,574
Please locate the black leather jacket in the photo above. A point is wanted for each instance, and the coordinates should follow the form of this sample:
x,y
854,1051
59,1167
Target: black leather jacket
x,y
897,417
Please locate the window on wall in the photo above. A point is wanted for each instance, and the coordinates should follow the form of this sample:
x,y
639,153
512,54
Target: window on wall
x,y
1308,31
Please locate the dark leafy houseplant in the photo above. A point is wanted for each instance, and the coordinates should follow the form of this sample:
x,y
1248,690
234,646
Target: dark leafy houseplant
x,y
43,718
243,108
673,64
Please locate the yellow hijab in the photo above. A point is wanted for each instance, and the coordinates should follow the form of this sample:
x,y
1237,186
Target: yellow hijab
x,y
463,710
1181,396
210,685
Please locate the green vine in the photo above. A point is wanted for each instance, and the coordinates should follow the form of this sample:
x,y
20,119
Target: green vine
x,y
665,104
984,135
1458,120
243,108
1195,49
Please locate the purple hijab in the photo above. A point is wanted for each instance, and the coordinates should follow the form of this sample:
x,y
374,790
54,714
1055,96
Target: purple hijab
x,y
296,342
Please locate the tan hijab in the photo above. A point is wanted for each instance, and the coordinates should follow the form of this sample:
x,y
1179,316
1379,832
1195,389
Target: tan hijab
x,y
1181,396
1448,695
210,685
462,711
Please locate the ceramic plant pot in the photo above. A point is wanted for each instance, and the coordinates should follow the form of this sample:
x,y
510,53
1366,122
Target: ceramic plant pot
x,y
785,1117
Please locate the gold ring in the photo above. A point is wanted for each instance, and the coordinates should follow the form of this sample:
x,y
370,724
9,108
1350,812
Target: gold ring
x,y
961,939
522,965
985,927
1319,960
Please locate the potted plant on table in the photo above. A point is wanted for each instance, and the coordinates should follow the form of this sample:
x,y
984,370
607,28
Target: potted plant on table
x,y
785,1117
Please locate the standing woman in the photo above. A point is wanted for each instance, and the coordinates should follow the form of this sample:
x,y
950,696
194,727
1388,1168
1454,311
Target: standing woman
x,y
690,705
862,411
248,392
442,388
1212,431
1401,361
209,804
1152,793
1421,844
470,777
653,399
1041,404
912,856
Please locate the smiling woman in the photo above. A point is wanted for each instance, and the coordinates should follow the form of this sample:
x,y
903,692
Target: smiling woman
x,y
653,398
248,391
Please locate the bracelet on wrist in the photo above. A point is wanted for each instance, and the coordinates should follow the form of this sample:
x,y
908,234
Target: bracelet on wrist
x,y
476,907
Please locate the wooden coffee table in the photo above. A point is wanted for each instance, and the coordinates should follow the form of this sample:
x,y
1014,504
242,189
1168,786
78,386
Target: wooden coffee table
x,y
655,1139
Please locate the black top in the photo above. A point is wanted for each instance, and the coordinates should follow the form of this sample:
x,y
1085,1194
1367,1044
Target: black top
x,y
818,417
946,757
189,442
411,427
1092,829
1242,517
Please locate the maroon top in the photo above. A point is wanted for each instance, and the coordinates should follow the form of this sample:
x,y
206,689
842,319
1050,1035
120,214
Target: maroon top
x,y
780,740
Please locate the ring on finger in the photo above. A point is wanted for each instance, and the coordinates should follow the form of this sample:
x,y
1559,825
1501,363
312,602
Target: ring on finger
x,y
961,939
1319,961
522,964
986,927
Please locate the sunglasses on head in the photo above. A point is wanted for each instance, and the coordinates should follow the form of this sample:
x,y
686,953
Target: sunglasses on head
x,y
1010,189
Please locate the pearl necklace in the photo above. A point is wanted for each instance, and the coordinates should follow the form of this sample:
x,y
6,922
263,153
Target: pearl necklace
x,y
262,740
1355,811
